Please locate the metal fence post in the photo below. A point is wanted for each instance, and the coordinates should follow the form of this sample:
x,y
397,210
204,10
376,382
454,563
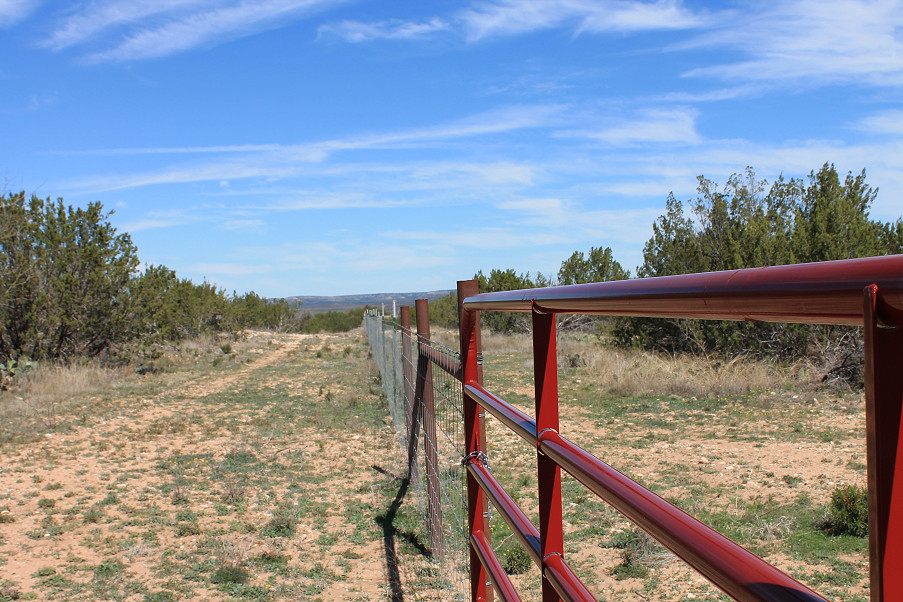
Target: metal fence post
x,y
430,449
407,369
474,436
394,358
545,365
883,411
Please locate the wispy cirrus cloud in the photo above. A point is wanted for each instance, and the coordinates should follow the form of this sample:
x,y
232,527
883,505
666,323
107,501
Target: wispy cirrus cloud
x,y
95,19
124,30
278,161
229,269
809,42
395,29
510,17
496,121
504,18
152,223
889,123
652,126
13,11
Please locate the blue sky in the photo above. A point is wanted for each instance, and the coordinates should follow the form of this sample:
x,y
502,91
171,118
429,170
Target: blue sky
x,y
320,147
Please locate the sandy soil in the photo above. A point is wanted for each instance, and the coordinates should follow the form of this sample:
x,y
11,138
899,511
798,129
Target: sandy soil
x,y
129,504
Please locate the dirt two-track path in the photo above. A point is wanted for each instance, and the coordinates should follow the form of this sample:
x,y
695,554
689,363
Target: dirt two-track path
x,y
263,473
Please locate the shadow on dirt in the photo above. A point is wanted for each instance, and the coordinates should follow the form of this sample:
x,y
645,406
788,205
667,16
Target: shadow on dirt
x,y
392,533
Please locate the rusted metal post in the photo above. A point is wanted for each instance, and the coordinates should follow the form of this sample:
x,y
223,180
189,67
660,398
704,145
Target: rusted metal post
x,y
474,438
545,358
883,405
430,449
407,370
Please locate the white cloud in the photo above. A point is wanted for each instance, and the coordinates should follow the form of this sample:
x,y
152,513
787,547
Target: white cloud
x,y
550,211
568,220
811,42
718,95
669,126
478,238
13,11
152,223
510,17
228,269
97,17
357,31
126,30
274,161
515,17
504,119
889,123
246,225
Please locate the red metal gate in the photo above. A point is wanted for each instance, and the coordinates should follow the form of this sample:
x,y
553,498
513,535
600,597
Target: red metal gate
x,y
859,292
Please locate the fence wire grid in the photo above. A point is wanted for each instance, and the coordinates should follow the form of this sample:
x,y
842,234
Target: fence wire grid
x,y
386,338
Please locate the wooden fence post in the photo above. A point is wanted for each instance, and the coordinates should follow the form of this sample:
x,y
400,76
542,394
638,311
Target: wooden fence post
x,y
430,450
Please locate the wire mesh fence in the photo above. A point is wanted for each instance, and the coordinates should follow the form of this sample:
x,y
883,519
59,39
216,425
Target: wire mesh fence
x,y
419,445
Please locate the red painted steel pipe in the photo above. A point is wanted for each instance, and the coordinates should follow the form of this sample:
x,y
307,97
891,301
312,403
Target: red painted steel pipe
x,y
516,420
738,572
565,582
557,571
525,531
491,563
598,476
474,438
828,292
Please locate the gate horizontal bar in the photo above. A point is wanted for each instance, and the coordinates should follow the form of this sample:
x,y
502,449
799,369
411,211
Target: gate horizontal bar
x,y
828,292
738,572
521,526
516,420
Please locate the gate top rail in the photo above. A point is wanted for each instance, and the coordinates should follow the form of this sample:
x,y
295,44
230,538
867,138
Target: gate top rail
x,y
828,292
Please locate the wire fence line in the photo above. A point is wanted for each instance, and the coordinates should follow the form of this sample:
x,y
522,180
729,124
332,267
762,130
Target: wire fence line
x,y
429,452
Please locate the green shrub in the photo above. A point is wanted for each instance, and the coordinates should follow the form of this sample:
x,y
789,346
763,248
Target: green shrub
x,y
514,559
849,511
187,529
334,321
230,574
92,515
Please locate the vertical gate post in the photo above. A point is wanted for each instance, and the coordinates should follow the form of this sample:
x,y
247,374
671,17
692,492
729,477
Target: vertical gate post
x,y
407,369
474,436
884,438
430,449
545,362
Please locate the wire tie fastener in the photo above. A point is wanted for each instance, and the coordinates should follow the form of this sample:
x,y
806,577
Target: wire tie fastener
x,y
477,455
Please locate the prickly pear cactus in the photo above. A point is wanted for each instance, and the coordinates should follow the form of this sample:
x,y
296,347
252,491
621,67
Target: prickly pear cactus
x,y
14,368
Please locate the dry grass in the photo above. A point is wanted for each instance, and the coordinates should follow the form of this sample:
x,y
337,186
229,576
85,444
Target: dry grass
x,y
634,373
628,372
34,399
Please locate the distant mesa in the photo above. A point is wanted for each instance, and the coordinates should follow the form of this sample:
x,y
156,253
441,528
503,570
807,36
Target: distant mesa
x,y
346,302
